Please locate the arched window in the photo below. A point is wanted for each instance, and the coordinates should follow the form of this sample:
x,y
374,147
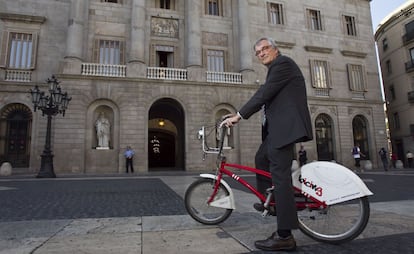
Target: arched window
x,y
324,141
360,131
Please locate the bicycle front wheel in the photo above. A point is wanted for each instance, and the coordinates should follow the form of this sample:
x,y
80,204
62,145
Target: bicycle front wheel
x,y
196,197
335,224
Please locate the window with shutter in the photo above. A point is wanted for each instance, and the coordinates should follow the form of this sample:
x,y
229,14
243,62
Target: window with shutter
x,y
314,19
356,77
275,13
214,7
215,60
18,50
109,52
320,74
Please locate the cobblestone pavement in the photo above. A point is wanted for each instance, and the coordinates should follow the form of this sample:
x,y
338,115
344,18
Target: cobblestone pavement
x,y
394,244
73,199
140,214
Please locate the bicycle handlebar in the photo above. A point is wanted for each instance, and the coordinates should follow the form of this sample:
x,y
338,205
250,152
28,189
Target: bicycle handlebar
x,y
203,137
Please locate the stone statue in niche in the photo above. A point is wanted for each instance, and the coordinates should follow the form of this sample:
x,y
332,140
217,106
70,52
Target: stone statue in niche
x,y
103,130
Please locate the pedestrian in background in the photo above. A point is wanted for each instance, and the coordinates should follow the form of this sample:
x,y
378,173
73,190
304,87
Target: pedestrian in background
x,y
129,156
356,153
384,158
409,159
303,158
394,159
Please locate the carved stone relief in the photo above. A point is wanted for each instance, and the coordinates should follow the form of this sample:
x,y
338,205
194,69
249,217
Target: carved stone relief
x,y
352,111
215,39
164,27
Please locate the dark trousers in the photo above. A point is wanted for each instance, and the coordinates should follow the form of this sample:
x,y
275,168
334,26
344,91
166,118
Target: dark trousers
x,y
278,161
129,165
385,163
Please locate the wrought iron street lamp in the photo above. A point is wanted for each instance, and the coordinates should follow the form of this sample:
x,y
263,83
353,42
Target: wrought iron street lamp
x,y
53,104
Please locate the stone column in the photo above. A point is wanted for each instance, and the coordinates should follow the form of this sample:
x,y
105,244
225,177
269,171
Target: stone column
x,y
193,52
75,39
136,66
246,47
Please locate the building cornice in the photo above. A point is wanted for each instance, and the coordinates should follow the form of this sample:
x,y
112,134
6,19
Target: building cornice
x,y
405,11
318,49
353,53
284,44
22,18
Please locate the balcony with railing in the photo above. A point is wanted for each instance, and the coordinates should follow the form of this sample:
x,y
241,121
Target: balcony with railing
x,y
321,92
103,70
18,75
160,73
166,73
224,77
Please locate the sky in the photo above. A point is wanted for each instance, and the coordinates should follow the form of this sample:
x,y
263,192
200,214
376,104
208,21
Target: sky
x,y
381,8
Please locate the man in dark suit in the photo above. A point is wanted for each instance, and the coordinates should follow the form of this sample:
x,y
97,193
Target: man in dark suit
x,y
287,121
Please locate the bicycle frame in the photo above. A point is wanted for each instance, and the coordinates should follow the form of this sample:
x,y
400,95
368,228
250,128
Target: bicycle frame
x,y
313,203
223,169
331,200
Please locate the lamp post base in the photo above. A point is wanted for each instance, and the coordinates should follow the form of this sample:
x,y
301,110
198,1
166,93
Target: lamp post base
x,y
46,167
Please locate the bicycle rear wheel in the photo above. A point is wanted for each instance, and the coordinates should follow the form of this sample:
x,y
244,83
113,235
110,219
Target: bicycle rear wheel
x,y
196,197
335,224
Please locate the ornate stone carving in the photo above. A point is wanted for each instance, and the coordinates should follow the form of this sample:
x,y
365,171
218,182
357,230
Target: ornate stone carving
x,y
333,110
313,109
164,27
215,39
366,111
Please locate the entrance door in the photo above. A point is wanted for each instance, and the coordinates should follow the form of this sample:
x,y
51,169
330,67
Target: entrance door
x,y
16,140
324,142
166,136
161,150
360,130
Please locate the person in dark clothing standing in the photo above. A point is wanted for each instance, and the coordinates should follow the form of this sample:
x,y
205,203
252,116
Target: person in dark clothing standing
x,y
129,156
303,158
287,121
384,158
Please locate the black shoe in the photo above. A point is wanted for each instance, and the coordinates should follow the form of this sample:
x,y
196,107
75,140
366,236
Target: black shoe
x,y
259,207
275,243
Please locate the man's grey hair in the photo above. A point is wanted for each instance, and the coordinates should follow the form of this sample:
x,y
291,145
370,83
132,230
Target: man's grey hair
x,y
269,40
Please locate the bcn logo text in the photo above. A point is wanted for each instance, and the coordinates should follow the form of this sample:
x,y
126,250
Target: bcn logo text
x,y
318,190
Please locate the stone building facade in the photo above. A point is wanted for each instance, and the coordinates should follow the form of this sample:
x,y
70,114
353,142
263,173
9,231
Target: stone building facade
x,y
159,70
395,40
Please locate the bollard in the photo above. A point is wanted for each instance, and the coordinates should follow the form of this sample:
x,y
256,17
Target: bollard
x,y
5,169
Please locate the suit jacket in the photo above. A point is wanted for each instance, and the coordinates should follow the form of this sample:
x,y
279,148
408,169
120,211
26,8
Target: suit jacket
x,y
284,96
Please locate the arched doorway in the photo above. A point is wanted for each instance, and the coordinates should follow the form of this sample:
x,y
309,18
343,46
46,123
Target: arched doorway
x,y
360,131
15,129
166,136
324,141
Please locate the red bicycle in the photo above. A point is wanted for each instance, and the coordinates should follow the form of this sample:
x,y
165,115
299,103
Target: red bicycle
x,y
332,201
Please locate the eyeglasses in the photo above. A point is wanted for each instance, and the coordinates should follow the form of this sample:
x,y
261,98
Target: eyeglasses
x,y
265,48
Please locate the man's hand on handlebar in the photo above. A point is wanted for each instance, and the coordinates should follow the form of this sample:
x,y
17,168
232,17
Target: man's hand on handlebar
x,y
229,120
